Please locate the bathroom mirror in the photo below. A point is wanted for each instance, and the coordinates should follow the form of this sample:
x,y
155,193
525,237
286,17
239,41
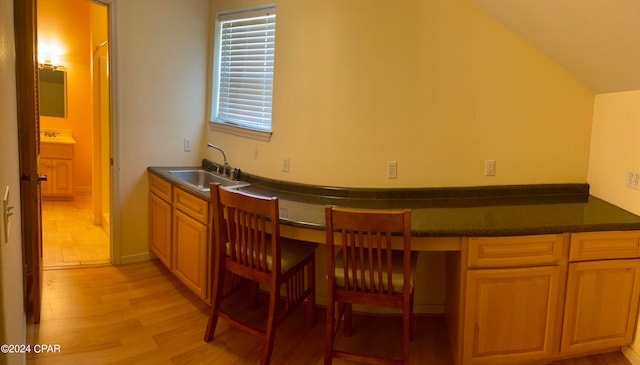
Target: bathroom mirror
x,y
53,92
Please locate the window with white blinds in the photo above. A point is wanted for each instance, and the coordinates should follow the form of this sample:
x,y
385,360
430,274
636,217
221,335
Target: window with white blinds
x,y
243,69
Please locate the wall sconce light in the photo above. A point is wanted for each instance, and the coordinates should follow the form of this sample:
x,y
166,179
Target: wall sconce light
x,y
49,56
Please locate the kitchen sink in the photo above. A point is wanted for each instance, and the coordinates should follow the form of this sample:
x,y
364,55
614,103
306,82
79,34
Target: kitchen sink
x,y
200,179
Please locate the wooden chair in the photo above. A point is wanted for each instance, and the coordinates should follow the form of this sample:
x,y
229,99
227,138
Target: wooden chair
x,y
246,242
364,269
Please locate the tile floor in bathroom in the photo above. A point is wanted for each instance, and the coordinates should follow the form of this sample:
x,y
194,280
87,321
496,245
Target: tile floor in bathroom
x,y
69,237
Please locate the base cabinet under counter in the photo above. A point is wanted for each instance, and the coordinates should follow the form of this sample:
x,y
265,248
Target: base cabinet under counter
x,y
160,213
178,234
190,253
512,296
509,299
524,299
603,288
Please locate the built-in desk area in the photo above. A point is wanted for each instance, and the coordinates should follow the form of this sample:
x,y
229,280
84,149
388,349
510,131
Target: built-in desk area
x,y
527,273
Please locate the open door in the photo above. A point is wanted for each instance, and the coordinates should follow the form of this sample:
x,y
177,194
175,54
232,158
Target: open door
x,y
28,132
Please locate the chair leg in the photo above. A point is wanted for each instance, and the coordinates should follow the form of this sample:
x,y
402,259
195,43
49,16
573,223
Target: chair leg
x,y
255,290
311,299
347,319
406,333
329,331
412,329
270,332
217,292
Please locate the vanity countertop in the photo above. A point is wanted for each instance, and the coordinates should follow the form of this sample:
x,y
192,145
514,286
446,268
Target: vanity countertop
x,y
447,212
58,136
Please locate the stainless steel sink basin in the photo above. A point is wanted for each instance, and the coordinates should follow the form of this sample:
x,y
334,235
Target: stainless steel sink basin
x,y
200,179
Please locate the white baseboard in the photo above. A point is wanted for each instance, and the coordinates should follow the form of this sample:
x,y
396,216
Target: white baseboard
x,y
130,259
631,355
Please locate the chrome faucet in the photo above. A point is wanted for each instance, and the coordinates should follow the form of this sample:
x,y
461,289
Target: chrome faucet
x,y
226,164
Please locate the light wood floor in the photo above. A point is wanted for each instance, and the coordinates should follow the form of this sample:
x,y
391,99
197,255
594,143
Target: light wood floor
x,y
141,314
69,237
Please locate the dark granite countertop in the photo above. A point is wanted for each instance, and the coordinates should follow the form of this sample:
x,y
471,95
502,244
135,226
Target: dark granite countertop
x,y
447,212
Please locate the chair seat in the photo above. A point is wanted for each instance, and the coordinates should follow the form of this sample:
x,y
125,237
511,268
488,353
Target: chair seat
x,y
292,252
397,277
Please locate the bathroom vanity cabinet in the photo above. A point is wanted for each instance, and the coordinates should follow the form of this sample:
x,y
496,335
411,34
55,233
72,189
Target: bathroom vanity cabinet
x,y
56,162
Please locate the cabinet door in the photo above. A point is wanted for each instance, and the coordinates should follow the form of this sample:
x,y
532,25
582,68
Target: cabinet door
x,y
61,183
160,228
509,314
601,305
190,254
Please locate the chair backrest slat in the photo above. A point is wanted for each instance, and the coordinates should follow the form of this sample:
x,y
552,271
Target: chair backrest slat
x,y
252,228
366,245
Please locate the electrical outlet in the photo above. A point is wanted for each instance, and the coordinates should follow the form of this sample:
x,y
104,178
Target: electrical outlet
x,y
187,145
285,163
489,167
392,169
633,179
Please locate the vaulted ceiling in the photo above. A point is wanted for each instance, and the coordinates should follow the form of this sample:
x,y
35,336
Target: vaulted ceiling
x,y
596,40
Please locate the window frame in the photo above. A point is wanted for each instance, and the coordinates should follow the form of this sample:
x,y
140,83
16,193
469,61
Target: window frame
x,y
222,125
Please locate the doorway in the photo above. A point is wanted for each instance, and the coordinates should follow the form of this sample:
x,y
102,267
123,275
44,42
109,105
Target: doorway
x,y
73,37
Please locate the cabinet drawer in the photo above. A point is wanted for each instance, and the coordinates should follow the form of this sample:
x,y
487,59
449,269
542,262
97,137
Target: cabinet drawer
x,y
604,245
516,250
196,208
160,187
56,150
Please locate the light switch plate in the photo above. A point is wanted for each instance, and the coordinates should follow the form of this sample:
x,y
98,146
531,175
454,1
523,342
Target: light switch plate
x,y
392,169
285,163
489,167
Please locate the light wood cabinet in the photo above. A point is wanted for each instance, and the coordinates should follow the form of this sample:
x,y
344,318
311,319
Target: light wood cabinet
x,y
56,162
513,251
514,290
160,228
509,316
190,246
603,288
160,218
178,233
525,299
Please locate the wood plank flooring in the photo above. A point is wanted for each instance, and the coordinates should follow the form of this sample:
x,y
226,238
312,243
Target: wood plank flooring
x,y
141,314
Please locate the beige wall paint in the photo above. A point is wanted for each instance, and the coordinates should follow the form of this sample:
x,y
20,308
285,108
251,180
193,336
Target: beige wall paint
x,y
160,83
460,89
614,148
436,85
12,316
614,151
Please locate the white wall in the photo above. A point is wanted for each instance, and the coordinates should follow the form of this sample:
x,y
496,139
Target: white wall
x,y
12,316
160,77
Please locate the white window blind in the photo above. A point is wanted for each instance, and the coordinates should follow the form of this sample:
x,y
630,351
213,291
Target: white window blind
x,y
246,43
